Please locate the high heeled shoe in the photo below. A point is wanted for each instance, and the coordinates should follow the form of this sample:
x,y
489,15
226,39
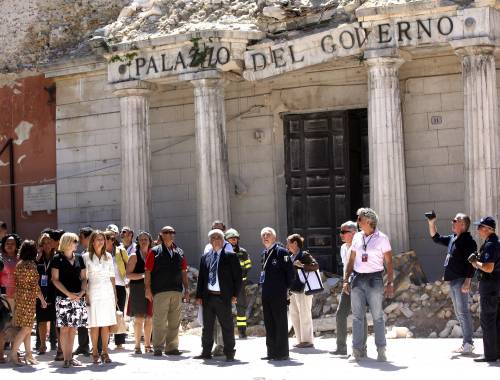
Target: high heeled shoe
x,y
105,357
29,359
16,361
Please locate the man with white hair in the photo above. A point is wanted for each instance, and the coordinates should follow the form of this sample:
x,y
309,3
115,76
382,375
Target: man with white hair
x,y
276,278
219,283
370,250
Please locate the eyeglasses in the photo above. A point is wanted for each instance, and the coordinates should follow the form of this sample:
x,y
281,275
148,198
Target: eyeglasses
x,y
342,232
110,238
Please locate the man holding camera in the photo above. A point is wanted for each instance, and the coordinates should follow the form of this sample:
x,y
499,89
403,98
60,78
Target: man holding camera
x,y
458,271
487,264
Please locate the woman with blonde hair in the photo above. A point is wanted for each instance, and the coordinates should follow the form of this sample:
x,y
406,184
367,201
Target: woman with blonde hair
x,y
139,306
101,295
68,276
27,291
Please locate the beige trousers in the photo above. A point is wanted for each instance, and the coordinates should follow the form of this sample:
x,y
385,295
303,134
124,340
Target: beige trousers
x,y
301,316
166,320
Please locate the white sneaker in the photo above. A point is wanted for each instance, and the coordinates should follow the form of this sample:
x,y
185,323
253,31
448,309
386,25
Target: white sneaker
x,y
465,349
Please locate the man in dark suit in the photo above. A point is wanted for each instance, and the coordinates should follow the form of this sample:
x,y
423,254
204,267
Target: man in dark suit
x,y
219,283
276,278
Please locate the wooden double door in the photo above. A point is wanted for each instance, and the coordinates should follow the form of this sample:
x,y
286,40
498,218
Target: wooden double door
x,y
327,178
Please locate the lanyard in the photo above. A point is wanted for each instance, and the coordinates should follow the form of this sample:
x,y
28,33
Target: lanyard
x,y
365,243
268,256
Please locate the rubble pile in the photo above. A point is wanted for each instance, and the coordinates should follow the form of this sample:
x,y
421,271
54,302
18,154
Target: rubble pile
x,y
417,310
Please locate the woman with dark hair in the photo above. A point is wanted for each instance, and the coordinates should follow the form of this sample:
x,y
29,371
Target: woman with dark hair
x,y
45,317
139,306
120,259
27,291
9,246
300,303
101,295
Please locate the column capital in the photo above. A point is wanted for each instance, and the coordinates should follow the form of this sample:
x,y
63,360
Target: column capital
x,y
209,75
389,57
473,50
133,87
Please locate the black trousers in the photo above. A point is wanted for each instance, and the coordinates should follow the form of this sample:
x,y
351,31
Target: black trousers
x,y
276,323
241,307
52,335
121,296
490,324
217,307
83,339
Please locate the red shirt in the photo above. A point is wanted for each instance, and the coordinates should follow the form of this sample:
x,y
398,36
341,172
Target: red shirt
x,y
150,261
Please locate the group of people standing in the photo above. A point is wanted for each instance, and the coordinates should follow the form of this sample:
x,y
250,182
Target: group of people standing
x,y
75,283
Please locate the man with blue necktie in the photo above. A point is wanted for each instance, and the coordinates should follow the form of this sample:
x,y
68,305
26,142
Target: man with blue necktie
x,y
219,283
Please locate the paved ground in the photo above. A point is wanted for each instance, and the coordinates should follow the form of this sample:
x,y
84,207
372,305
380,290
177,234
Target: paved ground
x,y
408,358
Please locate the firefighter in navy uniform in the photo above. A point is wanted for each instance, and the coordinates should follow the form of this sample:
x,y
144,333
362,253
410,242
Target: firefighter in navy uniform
x,y
276,278
488,268
233,237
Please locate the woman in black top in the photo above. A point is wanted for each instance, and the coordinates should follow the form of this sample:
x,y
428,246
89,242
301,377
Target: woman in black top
x,y
69,278
45,317
139,307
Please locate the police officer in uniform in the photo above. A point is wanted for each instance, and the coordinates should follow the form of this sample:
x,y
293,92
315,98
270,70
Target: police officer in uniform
x,y
233,237
276,278
488,268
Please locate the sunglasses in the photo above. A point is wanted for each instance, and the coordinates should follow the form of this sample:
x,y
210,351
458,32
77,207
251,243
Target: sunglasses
x,y
110,238
168,232
342,232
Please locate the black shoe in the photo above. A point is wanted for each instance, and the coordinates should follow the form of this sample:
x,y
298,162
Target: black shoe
x,y
230,358
280,358
175,351
157,353
339,352
267,358
59,357
81,351
203,356
484,359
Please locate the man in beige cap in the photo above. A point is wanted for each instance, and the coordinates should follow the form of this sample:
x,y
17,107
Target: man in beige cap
x,y
166,276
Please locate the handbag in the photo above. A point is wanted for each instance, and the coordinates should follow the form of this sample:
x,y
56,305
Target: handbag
x,y
312,282
5,313
121,326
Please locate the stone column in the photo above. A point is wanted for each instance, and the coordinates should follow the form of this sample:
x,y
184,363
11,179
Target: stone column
x,y
482,132
211,148
386,150
135,154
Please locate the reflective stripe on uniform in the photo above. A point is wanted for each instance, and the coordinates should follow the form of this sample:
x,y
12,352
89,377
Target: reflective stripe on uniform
x,y
241,321
244,278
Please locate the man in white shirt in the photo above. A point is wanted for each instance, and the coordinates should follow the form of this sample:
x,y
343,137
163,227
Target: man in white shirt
x,y
347,231
370,250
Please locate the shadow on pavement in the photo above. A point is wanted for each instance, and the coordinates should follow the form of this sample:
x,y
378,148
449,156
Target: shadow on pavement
x,y
381,366
308,351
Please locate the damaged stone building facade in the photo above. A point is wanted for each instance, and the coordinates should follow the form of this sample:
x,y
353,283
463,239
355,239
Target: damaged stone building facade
x,y
289,114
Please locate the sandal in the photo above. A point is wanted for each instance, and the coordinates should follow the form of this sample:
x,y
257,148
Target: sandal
x,y
138,351
148,349
31,360
67,364
16,361
95,358
105,357
75,363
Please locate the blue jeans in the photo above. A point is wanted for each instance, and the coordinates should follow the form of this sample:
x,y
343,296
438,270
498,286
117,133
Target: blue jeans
x,y
461,305
367,289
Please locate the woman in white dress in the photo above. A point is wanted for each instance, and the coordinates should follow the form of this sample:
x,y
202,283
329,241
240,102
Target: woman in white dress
x,y
101,296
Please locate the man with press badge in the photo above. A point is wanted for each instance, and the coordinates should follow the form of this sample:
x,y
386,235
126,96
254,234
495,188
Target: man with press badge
x,y
276,278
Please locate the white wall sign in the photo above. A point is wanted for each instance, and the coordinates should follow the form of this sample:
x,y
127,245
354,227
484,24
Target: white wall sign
x,y
39,198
